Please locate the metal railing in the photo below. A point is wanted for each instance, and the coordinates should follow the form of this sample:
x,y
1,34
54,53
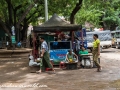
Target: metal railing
x,y
3,44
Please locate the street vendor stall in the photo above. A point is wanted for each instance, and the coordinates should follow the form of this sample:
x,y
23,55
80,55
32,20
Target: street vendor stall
x,y
54,25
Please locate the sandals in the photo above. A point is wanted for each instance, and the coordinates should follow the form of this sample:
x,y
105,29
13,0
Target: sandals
x,y
38,72
53,71
99,69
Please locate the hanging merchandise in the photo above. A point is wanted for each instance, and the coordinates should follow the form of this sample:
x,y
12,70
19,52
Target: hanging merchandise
x,y
82,37
81,33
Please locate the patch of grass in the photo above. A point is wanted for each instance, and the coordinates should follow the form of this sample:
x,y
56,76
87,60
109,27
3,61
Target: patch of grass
x,y
116,84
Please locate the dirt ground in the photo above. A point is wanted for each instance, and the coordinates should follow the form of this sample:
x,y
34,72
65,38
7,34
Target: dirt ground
x,y
15,75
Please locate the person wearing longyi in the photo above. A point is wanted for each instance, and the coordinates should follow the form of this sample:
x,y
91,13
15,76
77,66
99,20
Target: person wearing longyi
x,y
96,51
45,56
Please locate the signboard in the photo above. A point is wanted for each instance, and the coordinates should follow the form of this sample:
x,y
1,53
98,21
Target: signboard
x,y
58,51
58,55
13,39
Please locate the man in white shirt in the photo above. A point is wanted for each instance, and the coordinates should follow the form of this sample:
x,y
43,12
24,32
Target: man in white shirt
x,y
45,56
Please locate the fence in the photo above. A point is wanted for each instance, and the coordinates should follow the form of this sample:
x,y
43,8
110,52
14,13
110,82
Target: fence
x,y
3,44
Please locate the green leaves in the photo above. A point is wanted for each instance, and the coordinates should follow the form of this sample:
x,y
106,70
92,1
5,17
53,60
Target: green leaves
x,y
92,11
91,16
61,7
97,11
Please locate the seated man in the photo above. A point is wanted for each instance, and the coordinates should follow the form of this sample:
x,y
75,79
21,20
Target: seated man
x,y
70,57
83,52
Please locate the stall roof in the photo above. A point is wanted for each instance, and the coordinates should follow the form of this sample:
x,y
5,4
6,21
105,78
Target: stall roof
x,y
55,23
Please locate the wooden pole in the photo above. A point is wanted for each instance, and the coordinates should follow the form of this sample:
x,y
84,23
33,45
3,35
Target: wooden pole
x,y
73,40
46,10
33,51
82,36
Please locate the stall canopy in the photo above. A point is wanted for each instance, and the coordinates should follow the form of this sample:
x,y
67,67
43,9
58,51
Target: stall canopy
x,y
55,23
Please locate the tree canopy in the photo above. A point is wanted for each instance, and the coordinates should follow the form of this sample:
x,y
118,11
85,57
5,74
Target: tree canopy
x,y
99,13
104,13
18,14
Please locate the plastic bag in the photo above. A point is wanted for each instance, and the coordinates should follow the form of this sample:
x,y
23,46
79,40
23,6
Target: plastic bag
x,y
87,62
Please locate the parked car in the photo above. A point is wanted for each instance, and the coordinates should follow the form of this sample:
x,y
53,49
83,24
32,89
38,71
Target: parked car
x,y
104,36
116,38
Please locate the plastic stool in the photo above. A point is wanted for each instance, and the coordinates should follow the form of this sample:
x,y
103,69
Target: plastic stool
x,y
62,65
85,59
48,69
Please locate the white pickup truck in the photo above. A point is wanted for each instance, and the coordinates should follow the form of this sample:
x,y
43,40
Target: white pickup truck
x,y
104,36
116,38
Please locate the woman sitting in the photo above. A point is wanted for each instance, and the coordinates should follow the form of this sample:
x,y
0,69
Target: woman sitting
x,y
70,57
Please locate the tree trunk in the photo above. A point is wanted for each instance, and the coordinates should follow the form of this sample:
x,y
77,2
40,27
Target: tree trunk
x,y
10,12
5,28
14,17
75,10
24,32
24,15
72,16
113,27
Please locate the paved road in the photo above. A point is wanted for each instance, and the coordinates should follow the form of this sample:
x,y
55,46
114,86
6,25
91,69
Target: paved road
x,y
16,71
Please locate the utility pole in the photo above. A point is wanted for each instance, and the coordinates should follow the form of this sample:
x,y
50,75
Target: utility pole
x,y
46,10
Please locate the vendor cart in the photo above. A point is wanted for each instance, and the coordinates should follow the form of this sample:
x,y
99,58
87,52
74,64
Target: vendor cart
x,y
53,25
